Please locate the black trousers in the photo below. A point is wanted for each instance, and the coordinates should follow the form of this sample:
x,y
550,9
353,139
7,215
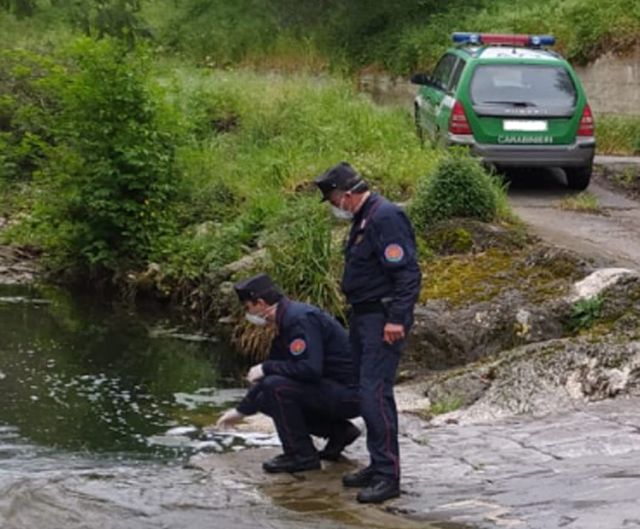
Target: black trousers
x,y
300,409
377,362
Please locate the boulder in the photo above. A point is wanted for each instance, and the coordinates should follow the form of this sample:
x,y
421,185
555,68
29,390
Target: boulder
x,y
443,337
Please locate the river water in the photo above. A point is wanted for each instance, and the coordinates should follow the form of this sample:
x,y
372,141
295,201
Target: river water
x,y
101,421
93,399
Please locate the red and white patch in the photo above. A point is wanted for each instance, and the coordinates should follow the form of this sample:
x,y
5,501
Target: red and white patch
x,y
297,347
394,253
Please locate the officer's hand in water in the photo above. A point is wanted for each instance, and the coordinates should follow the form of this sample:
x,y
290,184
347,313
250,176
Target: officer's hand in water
x,y
255,374
228,419
393,332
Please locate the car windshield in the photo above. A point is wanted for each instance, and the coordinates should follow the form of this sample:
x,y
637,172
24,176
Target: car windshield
x,y
522,85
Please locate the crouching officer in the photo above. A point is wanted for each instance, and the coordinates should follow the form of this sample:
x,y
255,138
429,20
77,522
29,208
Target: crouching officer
x,y
309,383
381,282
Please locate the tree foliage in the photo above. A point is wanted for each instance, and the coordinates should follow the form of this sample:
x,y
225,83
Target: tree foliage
x,y
112,18
21,8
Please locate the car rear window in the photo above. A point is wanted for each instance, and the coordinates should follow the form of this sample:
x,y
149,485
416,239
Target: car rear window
x,y
522,85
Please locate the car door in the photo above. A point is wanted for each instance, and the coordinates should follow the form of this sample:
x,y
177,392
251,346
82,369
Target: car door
x,y
434,94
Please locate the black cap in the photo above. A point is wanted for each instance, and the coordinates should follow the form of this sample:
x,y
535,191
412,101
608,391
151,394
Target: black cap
x,y
253,288
342,177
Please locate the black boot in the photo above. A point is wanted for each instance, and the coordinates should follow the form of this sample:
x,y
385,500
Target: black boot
x,y
361,478
381,489
339,441
291,463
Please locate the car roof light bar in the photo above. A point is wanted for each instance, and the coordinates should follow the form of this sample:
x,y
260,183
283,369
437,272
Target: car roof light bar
x,y
503,39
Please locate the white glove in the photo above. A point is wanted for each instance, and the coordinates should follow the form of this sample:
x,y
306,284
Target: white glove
x,y
255,374
228,419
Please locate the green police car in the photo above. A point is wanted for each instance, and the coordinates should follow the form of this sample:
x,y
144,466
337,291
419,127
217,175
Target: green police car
x,y
512,101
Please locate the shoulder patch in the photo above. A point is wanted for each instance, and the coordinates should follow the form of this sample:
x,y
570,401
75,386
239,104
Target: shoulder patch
x,y
297,346
393,253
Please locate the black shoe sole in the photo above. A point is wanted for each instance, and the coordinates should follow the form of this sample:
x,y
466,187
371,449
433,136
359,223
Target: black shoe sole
x,y
357,484
379,499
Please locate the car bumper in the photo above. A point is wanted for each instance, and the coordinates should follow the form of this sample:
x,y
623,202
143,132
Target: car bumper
x,y
578,154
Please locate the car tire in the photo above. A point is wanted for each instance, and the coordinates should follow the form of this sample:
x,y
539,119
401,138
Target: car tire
x,y
578,178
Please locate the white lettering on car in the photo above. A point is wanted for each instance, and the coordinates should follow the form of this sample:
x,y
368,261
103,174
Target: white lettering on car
x,y
505,140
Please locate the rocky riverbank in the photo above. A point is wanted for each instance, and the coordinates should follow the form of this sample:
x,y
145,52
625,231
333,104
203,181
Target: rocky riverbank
x,y
536,435
521,385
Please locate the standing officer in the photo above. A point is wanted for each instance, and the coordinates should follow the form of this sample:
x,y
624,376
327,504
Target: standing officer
x,y
381,282
308,385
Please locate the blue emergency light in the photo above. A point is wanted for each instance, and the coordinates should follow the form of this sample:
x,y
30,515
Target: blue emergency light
x,y
503,39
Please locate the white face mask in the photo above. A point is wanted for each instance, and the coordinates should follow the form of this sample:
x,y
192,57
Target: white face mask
x,y
340,213
260,321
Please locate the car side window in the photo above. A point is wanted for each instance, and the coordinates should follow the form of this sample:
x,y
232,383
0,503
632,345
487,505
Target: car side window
x,y
444,68
457,73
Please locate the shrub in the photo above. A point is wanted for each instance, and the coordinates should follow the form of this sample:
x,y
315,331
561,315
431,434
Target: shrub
x,y
27,107
108,179
458,187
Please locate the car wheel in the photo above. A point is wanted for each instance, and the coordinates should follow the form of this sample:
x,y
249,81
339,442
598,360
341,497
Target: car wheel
x,y
578,178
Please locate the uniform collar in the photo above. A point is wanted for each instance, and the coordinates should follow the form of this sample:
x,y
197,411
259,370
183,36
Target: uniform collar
x,y
281,311
362,212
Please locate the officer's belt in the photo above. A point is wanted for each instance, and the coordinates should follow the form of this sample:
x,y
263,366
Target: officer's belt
x,y
368,308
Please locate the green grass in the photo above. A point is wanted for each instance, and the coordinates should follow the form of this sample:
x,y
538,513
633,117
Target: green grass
x,y
585,313
46,30
618,135
628,178
446,405
585,202
251,183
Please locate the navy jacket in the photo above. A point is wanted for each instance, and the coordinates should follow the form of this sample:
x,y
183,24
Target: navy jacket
x,y
310,345
381,259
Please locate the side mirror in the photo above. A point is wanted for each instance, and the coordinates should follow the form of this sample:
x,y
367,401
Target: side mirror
x,y
422,79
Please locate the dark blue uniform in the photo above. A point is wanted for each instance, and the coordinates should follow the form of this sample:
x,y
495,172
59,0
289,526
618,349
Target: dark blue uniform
x,y
310,384
381,282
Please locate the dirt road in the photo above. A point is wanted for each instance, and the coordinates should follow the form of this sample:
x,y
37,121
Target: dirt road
x,y
610,237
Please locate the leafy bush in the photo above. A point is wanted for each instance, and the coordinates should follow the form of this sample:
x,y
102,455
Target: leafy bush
x,y
458,187
27,108
108,178
108,18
